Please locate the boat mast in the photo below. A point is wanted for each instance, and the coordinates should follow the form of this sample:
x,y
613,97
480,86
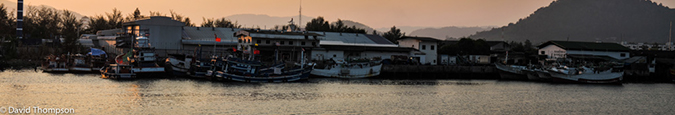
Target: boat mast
x,y
670,37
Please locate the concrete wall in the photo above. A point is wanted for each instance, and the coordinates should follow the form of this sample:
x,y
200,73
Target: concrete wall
x,y
383,55
411,43
552,51
327,54
616,55
431,49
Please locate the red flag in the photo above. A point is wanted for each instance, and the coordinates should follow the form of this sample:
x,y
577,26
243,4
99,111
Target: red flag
x,y
217,39
256,51
234,49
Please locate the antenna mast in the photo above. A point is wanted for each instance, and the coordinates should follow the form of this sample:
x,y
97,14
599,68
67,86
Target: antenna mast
x,y
300,16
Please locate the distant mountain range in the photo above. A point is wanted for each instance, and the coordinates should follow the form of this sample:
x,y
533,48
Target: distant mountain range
x,y
261,20
590,20
11,7
448,32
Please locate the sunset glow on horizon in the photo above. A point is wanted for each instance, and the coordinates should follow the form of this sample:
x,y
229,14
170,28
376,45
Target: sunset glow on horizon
x,y
374,13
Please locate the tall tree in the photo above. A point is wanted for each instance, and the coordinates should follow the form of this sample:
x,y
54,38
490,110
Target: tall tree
x,y
393,35
70,28
6,23
137,14
115,19
317,24
181,18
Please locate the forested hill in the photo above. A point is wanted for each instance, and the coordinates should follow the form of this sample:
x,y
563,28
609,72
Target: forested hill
x,y
590,20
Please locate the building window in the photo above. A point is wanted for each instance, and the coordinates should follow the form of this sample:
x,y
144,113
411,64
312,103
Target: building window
x,y
240,41
623,54
258,41
542,52
290,42
334,55
432,48
424,47
313,43
267,41
281,42
302,43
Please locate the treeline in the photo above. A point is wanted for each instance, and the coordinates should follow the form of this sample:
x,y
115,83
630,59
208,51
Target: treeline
x,y
40,23
468,46
319,24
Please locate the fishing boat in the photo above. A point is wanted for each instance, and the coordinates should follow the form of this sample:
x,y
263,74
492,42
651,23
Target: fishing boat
x,y
512,72
531,74
116,71
585,75
55,64
179,64
253,71
97,58
79,64
141,59
341,69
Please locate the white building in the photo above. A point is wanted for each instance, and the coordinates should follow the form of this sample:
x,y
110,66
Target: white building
x,y
574,49
338,45
428,46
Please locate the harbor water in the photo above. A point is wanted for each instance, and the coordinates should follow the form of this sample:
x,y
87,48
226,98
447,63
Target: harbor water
x,y
89,94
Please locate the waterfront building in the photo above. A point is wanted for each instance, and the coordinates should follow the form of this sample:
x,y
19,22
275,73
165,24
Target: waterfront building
x,y
351,46
668,46
172,37
428,46
576,49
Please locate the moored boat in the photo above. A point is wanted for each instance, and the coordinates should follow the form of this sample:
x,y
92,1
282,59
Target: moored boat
x,y
115,71
512,72
55,64
253,71
178,64
348,70
80,64
585,75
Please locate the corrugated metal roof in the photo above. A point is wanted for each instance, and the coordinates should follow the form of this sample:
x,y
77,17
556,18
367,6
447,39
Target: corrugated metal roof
x,y
347,38
588,46
421,38
379,39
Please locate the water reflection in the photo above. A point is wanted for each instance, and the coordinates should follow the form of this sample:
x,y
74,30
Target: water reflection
x,y
89,94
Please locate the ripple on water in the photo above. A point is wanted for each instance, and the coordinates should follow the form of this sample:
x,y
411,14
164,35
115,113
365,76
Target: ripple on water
x,y
89,94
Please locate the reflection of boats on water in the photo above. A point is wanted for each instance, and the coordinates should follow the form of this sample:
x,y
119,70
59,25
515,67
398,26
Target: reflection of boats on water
x,y
342,69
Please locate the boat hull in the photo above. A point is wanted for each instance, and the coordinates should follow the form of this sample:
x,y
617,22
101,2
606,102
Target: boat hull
x,y
80,69
510,73
591,78
352,73
253,79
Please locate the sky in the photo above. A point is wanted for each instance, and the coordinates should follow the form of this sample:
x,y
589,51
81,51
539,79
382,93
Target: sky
x,y
374,13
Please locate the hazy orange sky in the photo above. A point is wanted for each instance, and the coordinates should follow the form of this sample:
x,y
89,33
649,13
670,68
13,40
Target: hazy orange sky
x,y
374,13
